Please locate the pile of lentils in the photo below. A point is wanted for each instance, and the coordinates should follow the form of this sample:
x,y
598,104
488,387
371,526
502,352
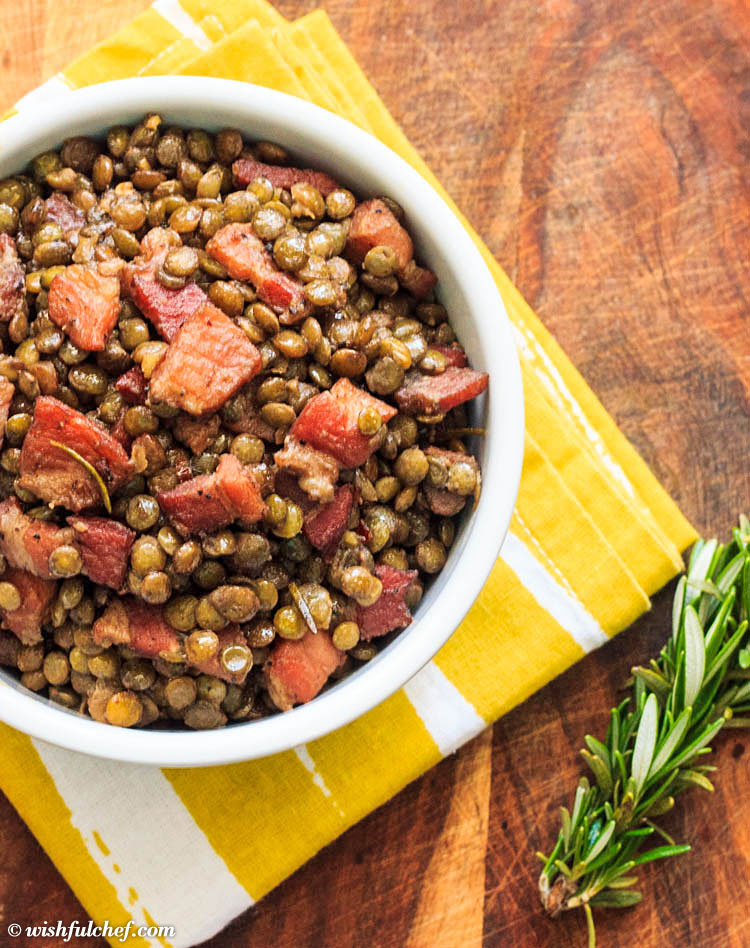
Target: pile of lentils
x,y
152,176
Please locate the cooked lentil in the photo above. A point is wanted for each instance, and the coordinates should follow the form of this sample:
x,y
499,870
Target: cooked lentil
x,y
123,709
181,692
201,646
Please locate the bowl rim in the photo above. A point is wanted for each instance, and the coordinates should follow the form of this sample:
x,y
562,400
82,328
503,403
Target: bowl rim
x,y
106,103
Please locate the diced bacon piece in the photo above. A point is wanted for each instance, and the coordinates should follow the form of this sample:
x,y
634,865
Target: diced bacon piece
x,y
316,471
208,360
27,543
141,627
297,669
12,280
239,490
231,635
454,355
417,280
105,549
390,611
325,528
52,474
41,540
150,633
211,501
7,391
243,254
9,649
36,598
374,224
329,423
113,625
85,304
132,385
61,210
196,433
167,309
195,506
437,394
246,170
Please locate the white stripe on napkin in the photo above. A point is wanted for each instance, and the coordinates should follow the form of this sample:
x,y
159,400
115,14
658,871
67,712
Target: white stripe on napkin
x,y
173,13
564,608
447,715
153,840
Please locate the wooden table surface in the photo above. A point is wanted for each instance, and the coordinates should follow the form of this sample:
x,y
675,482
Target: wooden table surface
x,y
601,148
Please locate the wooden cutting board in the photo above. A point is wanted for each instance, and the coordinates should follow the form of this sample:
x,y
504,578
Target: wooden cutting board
x,y
601,148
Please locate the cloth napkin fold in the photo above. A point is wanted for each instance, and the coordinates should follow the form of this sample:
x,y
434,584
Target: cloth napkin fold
x,y
136,843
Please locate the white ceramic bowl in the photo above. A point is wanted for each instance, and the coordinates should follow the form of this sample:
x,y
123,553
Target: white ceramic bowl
x,y
319,139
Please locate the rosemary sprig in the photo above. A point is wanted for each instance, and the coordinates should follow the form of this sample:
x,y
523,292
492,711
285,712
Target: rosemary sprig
x,y
658,738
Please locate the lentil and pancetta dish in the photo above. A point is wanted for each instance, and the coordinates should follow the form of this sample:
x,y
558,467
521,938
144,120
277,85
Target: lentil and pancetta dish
x,y
234,424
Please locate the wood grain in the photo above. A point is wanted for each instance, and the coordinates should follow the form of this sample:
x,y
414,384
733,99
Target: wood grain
x,y
39,37
601,148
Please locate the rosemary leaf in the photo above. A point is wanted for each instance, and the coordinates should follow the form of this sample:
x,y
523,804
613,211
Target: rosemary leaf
x,y
645,742
565,821
661,852
695,655
652,680
601,842
678,605
90,469
623,882
596,747
622,899
695,779
600,770
304,609
671,741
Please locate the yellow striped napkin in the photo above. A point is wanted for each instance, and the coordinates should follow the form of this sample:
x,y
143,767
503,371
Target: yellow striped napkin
x,y
586,497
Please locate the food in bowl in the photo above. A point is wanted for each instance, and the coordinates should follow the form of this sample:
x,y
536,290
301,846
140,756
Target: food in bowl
x,y
234,421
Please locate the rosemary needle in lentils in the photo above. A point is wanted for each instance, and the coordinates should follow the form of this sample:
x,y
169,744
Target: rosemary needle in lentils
x,y
91,470
657,738
299,601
